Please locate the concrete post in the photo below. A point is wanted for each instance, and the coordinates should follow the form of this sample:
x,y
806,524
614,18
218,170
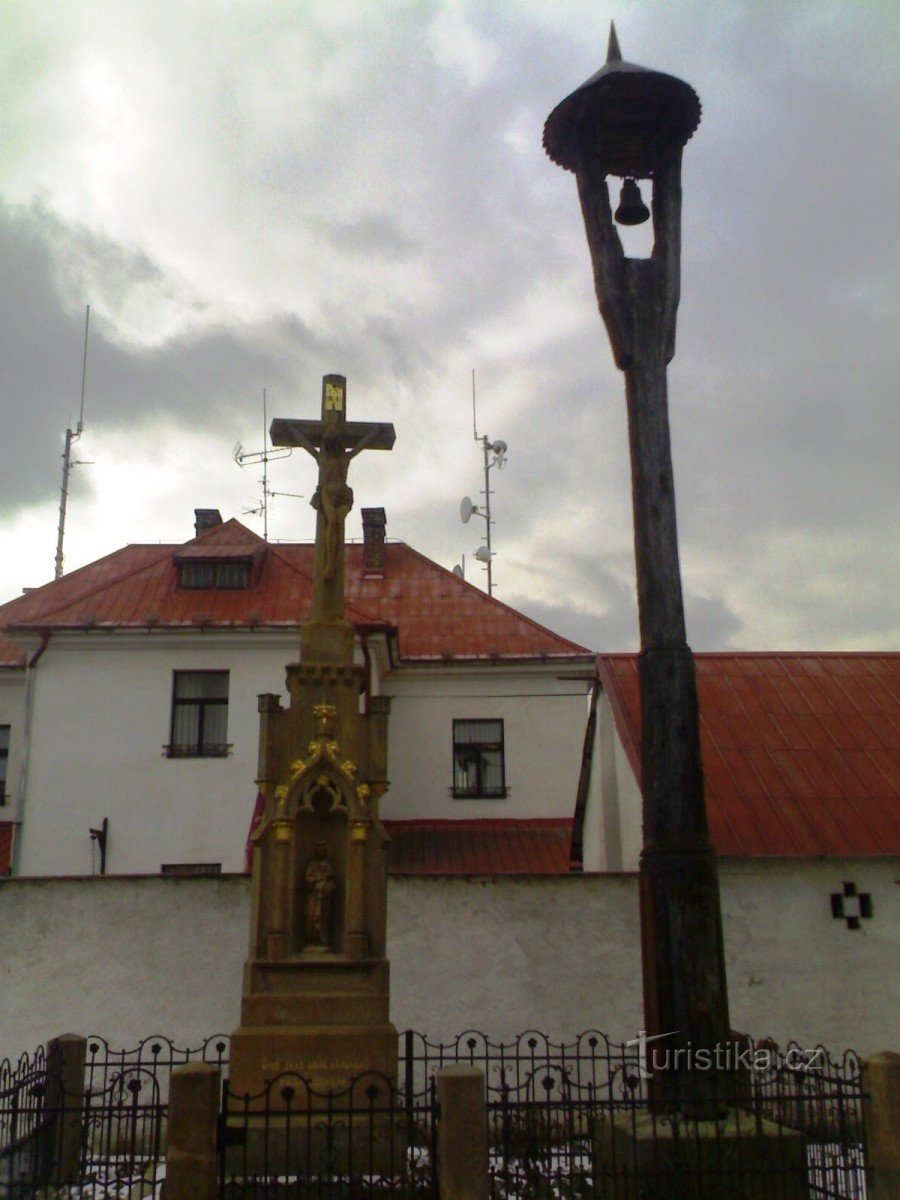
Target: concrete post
x,y
462,1144
881,1083
191,1165
65,1102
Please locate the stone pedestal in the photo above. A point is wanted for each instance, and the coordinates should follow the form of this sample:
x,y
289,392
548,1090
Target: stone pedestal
x,y
332,1031
735,1158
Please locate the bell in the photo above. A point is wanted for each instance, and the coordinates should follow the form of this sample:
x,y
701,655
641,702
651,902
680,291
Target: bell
x,y
632,210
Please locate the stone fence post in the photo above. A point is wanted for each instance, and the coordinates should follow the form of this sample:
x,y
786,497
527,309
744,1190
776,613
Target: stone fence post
x,y
191,1163
462,1134
65,1104
881,1083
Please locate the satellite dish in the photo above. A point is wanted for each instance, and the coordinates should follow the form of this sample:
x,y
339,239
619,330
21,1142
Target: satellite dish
x,y
466,508
483,554
458,572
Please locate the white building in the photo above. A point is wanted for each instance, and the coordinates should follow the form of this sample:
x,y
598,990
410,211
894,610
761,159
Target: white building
x,y
129,699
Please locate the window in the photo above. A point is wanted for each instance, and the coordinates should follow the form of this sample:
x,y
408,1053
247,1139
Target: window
x,y
199,715
4,760
221,575
478,770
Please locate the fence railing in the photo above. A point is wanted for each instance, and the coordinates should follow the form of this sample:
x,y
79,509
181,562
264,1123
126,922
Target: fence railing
x,y
289,1137
105,1135
566,1120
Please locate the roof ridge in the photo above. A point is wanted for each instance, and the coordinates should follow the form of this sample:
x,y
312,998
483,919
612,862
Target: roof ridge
x,y
216,531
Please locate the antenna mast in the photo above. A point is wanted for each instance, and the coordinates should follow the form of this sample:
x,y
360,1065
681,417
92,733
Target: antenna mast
x,y
67,455
245,457
265,477
467,509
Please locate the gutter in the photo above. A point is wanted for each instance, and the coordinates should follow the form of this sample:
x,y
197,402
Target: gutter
x,y
576,852
26,748
367,660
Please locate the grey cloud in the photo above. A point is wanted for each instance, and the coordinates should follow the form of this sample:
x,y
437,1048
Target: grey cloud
x,y
376,235
208,376
782,394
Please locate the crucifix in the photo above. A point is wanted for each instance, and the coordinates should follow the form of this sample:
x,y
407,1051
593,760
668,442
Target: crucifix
x,y
316,988
332,441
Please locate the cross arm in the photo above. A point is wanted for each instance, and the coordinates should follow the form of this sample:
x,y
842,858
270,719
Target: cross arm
x,y
308,434
375,436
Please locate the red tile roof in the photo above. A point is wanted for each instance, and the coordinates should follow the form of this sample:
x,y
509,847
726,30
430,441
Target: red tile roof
x,y
437,614
801,752
11,655
7,832
481,847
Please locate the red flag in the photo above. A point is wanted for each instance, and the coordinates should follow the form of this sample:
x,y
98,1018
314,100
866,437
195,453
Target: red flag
x,y
258,809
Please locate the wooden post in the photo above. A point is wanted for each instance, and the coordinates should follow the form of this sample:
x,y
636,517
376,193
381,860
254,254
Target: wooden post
x,y
191,1163
685,997
462,1146
881,1083
65,1102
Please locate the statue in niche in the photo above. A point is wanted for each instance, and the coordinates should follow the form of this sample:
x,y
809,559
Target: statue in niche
x,y
320,881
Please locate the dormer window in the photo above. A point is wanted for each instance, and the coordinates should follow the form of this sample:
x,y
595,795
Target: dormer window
x,y
207,574
227,568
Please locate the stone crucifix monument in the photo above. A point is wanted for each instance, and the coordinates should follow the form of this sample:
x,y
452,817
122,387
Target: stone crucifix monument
x,y
316,983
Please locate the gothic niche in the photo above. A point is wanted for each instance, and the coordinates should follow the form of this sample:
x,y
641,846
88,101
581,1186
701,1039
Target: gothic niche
x,y
320,870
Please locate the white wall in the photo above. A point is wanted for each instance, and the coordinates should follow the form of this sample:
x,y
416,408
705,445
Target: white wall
x,y
101,713
126,958
100,719
544,719
613,826
794,964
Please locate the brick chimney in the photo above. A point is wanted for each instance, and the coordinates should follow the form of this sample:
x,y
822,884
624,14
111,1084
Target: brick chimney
x,y
374,523
206,519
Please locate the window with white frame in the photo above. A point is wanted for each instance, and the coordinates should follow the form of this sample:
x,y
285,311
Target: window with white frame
x,y
479,771
199,715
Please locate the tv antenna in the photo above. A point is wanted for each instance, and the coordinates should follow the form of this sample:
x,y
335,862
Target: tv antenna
x,y
244,458
494,453
68,463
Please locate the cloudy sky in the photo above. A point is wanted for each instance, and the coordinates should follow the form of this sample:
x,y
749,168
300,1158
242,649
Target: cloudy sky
x,y
253,193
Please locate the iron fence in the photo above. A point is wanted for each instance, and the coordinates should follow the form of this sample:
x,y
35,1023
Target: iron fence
x,y
23,1118
152,1057
565,1121
290,1140
101,1141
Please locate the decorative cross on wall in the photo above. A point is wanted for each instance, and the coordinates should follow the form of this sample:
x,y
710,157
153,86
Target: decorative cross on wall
x,y
851,906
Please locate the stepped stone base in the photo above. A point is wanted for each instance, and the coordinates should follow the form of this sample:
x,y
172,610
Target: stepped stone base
x,y
737,1158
